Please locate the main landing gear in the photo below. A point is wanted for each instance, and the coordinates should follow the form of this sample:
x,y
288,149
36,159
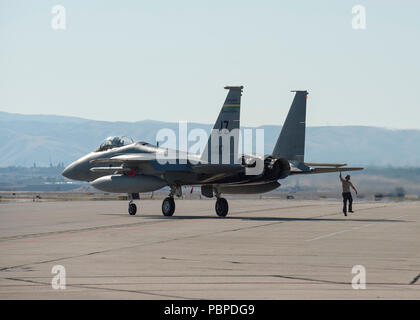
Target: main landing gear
x,y
168,204
222,206
132,208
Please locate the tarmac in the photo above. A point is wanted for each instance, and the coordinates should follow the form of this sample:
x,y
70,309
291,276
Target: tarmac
x,y
264,249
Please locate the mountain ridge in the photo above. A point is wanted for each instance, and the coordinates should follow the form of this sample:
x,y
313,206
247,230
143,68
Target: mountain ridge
x,y
42,139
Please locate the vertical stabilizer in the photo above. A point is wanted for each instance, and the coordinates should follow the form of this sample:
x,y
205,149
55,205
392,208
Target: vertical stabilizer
x,y
291,142
222,146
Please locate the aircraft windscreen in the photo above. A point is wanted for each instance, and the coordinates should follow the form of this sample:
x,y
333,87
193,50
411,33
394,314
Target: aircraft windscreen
x,y
114,142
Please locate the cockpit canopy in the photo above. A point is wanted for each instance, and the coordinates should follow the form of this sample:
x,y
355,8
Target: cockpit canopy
x,y
114,142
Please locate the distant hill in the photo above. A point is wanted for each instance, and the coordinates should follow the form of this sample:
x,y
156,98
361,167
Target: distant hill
x,y
41,139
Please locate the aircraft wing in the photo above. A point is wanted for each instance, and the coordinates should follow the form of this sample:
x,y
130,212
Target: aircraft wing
x,y
314,164
217,168
323,170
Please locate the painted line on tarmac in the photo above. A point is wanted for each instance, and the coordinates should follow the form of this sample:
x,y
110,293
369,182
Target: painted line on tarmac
x,y
63,234
348,230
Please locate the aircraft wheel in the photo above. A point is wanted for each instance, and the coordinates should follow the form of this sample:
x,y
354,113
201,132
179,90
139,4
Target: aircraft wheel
x,y
222,207
168,206
132,209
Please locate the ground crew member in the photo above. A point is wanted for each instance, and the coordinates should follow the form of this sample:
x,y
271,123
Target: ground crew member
x,y
347,194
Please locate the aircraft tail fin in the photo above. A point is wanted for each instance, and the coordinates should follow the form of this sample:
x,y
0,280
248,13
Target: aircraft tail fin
x,y
291,142
222,146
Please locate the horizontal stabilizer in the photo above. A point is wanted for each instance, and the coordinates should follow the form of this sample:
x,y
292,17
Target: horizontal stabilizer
x,y
314,164
325,170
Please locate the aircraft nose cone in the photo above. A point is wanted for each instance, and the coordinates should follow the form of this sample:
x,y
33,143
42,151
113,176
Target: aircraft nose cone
x,y
69,171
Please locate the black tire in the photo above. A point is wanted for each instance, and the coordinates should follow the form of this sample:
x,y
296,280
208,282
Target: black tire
x,y
222,207
132,209
168,207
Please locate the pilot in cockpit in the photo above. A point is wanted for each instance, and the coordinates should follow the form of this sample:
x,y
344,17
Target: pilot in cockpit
x,y
114,142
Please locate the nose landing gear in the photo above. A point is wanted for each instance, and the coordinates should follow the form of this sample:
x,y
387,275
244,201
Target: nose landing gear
x,y
132,208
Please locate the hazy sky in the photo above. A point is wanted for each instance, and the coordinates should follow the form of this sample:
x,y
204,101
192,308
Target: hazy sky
x,y
169,60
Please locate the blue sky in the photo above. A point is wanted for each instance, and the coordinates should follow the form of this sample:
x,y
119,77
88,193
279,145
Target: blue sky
x,y
169,60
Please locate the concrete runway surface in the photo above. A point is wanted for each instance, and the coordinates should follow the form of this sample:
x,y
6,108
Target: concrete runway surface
x,y
264,249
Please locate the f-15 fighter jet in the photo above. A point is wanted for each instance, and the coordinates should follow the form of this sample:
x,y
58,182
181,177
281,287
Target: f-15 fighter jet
x,y
121,165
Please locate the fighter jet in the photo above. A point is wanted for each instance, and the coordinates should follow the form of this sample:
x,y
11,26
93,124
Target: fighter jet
x,y
121,165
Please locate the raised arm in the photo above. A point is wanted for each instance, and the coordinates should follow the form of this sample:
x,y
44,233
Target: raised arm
x,y
341,178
